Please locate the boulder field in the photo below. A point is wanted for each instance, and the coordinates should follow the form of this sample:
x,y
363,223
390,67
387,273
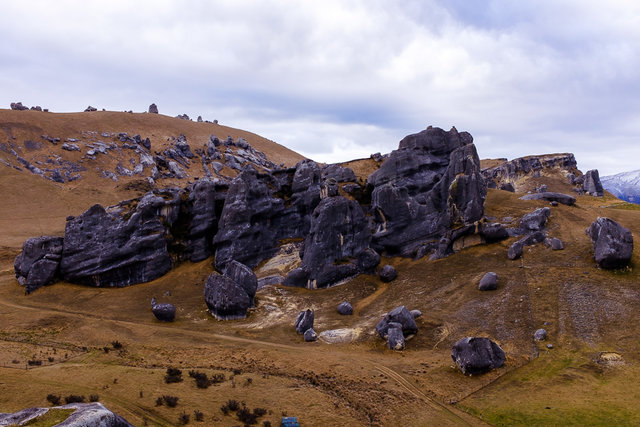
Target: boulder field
x,y
425,194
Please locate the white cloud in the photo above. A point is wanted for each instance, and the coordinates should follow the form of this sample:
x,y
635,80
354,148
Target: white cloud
x,y
520,76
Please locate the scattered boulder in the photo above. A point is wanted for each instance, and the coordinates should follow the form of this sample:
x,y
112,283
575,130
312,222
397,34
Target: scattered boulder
x,y
153,109
540,335
90,109
592,184
475,355
310,335
493,232
345,308
554,243
556,198
304,321
515,250
388,273
534,221
226,299
612,243
84,414
395,337
163,312
489,282
416,313
399,315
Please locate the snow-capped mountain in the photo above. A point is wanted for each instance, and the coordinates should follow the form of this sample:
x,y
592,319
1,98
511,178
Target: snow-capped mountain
x,y
625,185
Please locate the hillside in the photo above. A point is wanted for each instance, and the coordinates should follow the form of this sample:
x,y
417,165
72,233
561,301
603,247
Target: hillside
x,y
349,377
625,185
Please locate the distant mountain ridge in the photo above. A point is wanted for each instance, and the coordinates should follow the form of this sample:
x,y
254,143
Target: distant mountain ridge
x,y
625,185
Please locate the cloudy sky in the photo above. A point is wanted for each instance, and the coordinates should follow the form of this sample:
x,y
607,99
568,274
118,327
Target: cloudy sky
x,y
336,80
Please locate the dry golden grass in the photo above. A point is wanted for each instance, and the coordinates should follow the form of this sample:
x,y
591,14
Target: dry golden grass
x,y
587,312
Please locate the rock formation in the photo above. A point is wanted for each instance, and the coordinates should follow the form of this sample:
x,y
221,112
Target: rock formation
x,y
304,321
477,355
400,315
84,414
592,184
612,243
345,308
429,186
225,298
565,199
153,109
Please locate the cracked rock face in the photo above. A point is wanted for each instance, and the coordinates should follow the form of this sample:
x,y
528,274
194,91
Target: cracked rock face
x,y
430,185
226,299
84,415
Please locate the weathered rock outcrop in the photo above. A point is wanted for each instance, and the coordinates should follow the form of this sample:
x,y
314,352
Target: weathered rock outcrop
x,y
243,276
153,109
592,184
534,221
39,263
84,415
511,172
107,249
423,190
477,355
612,243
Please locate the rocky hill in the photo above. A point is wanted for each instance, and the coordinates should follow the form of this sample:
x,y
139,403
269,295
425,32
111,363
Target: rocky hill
x,y
625,185
457,304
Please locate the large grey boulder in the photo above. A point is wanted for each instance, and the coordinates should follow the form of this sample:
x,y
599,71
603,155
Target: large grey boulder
x,y
395,337
345,308
489,282
612,243
477,355
84,415
304,321
388,273
226,299
164,312
534,221
592,184
493,232
310,335
153,109
38,263
427,187
400,315
243,276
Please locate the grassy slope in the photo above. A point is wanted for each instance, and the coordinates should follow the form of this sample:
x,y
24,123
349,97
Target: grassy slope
x,y
588,311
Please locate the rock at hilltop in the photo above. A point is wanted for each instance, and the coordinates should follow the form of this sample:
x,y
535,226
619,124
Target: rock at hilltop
x,y
477,355
83,415
429,186
612,243
18,106
225,298
90,109
592,184
153,109
507,173
400,315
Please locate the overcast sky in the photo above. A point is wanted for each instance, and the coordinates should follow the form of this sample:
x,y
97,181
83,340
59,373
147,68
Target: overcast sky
x,y
336,80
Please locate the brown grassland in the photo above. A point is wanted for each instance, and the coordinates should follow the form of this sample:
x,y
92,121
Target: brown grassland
x,y
589,377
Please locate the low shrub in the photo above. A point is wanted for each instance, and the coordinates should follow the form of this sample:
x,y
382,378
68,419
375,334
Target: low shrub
x,y
174,375
94,398
54,399
184,418
74,398
116,345
170,401
199,416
